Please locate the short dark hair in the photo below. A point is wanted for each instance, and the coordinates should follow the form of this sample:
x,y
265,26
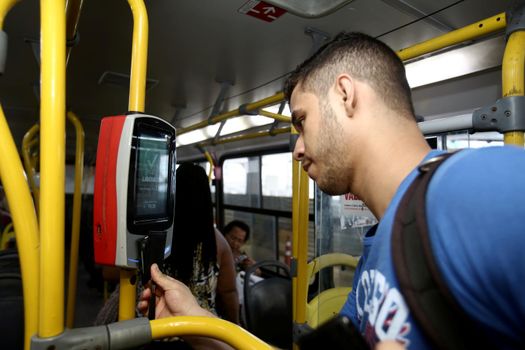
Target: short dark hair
x,y
364,58
240,224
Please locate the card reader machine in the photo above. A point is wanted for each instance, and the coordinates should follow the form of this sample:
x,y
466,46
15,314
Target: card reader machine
x,y
134,193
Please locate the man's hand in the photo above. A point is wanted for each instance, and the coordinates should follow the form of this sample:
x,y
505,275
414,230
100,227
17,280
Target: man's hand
x,y
173,298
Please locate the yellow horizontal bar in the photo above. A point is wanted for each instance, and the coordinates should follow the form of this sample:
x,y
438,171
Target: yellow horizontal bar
x,y
246,136
470,32
207,327
278,117
279,97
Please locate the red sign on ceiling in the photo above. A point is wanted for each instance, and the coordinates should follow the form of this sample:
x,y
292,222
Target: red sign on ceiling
x,y
262,10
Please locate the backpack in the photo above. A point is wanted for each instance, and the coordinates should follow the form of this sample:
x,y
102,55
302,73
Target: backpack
x,y
431,303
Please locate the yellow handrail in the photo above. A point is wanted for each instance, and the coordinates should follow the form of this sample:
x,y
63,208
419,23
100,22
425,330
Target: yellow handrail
x,y
5,7
52,168
25,223
470,32
513,77
208,327
7,235
300,207
137,94
228,139
30,139
210,161
276,116
279,97
139,56
75,227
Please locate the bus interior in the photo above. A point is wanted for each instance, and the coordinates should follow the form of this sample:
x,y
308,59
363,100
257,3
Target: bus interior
x,y
214,70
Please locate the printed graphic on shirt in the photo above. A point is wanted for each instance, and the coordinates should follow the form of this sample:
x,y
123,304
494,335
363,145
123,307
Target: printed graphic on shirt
x,y
382,309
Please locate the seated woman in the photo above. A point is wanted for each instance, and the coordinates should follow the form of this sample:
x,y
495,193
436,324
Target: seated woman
x,y
201,257
237,234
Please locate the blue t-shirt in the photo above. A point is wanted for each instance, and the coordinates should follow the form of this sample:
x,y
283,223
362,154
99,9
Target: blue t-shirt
x,y
475,210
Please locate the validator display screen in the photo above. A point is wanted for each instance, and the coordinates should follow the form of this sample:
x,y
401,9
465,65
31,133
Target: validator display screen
x,y
151,183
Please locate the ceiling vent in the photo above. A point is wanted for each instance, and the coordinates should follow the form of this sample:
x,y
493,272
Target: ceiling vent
x,y
122,80
310,8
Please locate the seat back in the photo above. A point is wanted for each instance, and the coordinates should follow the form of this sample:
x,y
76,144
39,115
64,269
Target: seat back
x,y
11,301
268,305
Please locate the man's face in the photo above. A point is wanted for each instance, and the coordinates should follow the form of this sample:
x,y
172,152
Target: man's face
x,y
320,146
236,238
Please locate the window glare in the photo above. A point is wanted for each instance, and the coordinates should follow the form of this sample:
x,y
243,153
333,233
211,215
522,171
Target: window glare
x,y
235,172
277,175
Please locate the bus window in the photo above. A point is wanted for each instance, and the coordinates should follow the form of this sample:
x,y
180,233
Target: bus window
x,y
476,140
242,181
262,243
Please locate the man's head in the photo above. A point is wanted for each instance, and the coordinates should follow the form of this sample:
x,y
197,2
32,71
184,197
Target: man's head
x,y
352,76
237,234
362,57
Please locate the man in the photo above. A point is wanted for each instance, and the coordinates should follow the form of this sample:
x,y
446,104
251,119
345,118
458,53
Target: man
x,y
237,234
352,106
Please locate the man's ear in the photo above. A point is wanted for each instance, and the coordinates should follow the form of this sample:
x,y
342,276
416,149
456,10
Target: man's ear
x,y
345,91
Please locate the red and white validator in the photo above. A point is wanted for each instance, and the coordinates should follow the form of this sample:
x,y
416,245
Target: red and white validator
x,y
134,195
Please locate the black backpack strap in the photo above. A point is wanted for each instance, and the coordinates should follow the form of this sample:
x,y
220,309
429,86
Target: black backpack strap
x,y
432,305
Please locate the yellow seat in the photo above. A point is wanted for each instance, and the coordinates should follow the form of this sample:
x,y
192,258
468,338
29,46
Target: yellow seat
x,y
329,302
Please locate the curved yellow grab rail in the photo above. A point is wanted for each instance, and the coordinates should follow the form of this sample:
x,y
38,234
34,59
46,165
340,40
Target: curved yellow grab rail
x,y
473,31
331,259
29,140
5,7
207,327
139,56
75,228
210,160
513,77
52,166
25,223
329,302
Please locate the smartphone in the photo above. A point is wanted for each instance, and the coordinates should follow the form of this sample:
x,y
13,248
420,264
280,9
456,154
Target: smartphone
x,y
336,333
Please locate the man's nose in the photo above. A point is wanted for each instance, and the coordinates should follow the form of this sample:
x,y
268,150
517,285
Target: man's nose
x,y
298,151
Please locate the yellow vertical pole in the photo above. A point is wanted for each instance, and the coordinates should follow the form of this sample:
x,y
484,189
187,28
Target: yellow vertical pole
x,y
139,56
137,93
52,169
27,143
25,224
300,240
513,77
75,229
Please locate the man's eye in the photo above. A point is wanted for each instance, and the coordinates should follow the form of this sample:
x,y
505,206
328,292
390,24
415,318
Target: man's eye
x,y
299,124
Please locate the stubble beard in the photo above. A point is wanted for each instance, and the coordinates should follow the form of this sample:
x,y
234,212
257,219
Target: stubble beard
x,y
332,176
